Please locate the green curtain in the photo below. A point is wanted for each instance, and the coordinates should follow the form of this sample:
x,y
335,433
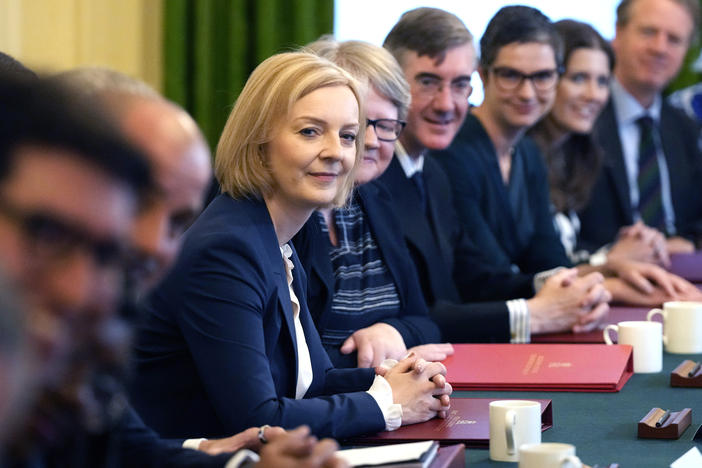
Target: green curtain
x,y
211,47
688,76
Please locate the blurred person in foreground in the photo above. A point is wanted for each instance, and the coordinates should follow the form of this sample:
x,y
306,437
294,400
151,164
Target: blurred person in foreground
x,y
180,160
17,386
70,189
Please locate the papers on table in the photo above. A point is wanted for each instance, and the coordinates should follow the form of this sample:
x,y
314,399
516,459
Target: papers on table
x,y
691,459
415,454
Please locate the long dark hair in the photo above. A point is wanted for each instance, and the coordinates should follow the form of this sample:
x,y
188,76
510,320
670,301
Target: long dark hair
x,y
573,163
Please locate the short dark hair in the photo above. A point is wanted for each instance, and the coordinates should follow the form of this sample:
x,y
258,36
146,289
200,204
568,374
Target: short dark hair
x,y
12,66
426,31
518,24
36,112
577,35
692,7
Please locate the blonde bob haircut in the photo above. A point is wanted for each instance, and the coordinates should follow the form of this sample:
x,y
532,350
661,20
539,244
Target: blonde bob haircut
x,y
241,162
369,64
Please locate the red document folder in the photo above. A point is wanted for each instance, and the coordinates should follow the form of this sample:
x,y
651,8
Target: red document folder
x,y
546,367
468,423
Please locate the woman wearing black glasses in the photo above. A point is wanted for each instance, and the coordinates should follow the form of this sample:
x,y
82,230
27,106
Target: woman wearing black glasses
x,y
497,176
363,291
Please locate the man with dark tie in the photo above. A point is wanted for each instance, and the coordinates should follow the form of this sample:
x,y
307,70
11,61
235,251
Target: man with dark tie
x,y
436,53
652,164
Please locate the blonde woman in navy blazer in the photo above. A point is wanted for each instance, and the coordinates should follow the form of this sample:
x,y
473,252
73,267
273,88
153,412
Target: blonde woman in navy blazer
x,y
365,298
220,349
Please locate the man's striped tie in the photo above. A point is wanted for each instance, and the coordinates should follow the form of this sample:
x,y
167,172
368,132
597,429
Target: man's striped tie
x,y
649,179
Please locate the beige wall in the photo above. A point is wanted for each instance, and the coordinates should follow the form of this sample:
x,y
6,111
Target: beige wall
x,y
54,35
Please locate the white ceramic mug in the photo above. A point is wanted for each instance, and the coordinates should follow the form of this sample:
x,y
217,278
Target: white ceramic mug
x,y
513,423
682,326
646,338
548,455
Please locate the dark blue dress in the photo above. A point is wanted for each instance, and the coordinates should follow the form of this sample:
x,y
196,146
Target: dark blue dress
x,y
511,223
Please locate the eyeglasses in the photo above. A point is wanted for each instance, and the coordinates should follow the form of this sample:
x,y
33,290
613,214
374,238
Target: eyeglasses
x,y
53,239
430,85
509,79
387,129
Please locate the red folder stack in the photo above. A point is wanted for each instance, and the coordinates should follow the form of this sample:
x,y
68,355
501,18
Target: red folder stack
x,y
468,423
544,367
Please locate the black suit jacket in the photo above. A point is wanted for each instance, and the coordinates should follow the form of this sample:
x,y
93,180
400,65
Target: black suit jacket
x,y
483,205
450,267
610,207
413,320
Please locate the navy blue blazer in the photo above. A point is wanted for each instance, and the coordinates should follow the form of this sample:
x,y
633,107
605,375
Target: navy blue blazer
x,y
125,443
138,445
483,206
216,353
449,266
609,207
413,323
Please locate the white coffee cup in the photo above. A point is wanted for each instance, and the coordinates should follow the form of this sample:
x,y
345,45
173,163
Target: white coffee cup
x,y
513,423
548,455
682,326
646,338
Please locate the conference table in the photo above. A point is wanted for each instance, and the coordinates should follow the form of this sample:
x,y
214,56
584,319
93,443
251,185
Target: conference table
x,y
604,426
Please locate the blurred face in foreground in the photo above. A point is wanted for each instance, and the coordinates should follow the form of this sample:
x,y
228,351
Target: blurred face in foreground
x,y
63,225
181,163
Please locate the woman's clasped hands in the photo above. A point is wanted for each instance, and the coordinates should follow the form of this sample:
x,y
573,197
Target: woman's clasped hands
x,y
420,387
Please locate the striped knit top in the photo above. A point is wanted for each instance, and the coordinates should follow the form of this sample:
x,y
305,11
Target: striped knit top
x,y
364,290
